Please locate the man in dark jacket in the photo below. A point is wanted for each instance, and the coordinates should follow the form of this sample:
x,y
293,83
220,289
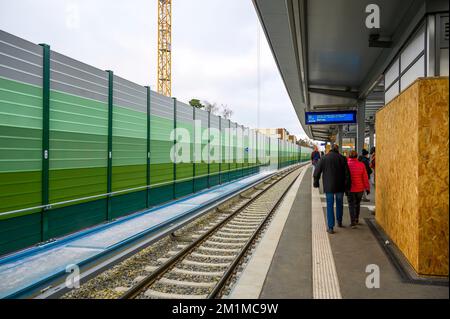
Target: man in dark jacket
x,y
336,181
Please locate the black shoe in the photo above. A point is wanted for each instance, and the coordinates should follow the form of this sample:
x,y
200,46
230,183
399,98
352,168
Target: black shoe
x,y
353,225
340,225
330,231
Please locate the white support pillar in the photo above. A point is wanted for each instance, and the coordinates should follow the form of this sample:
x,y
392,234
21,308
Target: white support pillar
x,y
361,126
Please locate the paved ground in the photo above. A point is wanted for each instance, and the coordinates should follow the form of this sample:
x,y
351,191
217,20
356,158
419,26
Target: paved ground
x,y
289,275
290,272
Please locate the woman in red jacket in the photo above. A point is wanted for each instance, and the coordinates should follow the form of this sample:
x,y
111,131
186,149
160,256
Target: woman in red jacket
x,y
360,183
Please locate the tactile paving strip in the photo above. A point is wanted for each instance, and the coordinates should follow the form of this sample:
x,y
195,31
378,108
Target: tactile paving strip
x,y
325,279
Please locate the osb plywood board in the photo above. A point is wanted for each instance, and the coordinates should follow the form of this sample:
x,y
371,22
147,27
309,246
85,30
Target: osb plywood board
x,y
396,174
433,176
412,174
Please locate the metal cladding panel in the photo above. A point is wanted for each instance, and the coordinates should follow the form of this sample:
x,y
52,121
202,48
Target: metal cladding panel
x,y
202,116
215,121
21,75
201,167
129,95
264,149
224,123
305,153
77,78
225,142
392,92
413,49
252,147
185,148
234,148
259,156
23,44
20,60
184,112
240,147
161,105
129,142
246,144
161,144
392,73
214,136
274,150
78,129
415,71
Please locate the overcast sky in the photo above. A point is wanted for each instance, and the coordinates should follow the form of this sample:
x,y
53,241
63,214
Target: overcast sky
x,y
214,45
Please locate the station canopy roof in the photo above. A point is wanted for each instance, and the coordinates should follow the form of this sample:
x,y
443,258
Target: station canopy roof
x,y
322,51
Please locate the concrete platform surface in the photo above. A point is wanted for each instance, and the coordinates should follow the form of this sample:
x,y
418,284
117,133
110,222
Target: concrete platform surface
x,y
300,265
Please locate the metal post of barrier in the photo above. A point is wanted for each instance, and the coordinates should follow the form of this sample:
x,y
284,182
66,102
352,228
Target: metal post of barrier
x,y
256,162
45,139
242,151
174,147
194,158
147,201
209,149
220,150
230,150
278,154
110,132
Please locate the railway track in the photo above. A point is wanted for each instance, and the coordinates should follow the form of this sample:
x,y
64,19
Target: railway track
x,y
198,261
201,269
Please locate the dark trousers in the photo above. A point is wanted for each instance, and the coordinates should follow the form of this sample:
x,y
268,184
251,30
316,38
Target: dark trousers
x,y
354,205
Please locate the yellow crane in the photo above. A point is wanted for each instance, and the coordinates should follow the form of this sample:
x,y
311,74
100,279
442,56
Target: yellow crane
x,y
165,47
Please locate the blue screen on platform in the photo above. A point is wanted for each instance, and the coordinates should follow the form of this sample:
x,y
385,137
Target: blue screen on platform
x,y
338,117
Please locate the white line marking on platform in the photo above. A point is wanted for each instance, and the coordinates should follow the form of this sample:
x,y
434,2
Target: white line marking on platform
x,y
325,279
251,281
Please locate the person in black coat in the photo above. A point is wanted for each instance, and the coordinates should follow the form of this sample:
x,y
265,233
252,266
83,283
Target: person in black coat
x,y
336,181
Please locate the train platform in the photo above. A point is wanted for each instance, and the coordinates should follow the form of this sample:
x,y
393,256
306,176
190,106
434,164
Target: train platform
x,y
29,268
297,258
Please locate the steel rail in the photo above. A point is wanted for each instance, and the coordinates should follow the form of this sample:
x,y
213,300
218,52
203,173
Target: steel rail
x,y
155,275
230,270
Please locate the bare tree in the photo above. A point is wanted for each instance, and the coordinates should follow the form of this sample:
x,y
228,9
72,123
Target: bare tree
x,y
226,112
211,107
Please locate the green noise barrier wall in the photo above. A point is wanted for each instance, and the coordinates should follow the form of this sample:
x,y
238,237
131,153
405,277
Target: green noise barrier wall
x,y
225,165
184,184
80,146
214,151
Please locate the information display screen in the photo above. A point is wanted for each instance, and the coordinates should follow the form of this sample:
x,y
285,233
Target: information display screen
x,y
337,117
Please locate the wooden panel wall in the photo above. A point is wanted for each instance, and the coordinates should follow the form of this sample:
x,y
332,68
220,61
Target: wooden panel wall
x,y
433,176
412,174
396,174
